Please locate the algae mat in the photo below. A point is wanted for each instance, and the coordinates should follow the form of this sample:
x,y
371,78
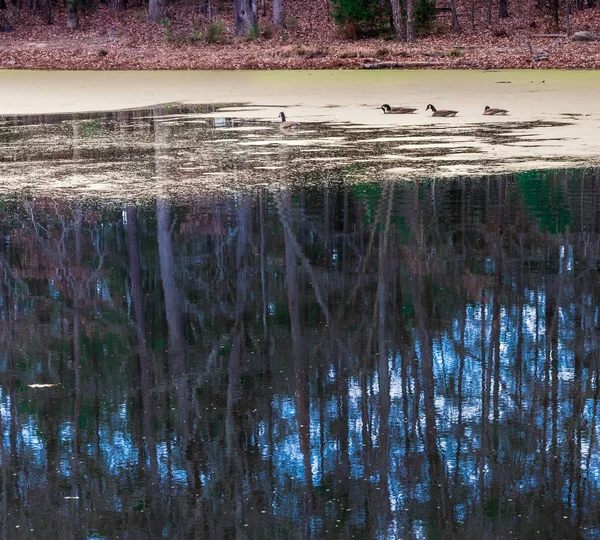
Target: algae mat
x,y
554,122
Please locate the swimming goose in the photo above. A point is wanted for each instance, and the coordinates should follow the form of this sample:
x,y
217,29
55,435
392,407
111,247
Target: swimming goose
x,y
287,124
396,110
440,112
493,112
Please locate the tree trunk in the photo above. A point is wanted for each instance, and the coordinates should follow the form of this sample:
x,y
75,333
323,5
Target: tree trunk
x,y
156,10
410,20
554,11
455,25
48,12
503,9
278,12
72,15
245,17
397,18
489,11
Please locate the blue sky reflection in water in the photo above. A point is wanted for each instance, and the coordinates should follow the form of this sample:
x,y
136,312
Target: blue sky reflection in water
x,y
335,359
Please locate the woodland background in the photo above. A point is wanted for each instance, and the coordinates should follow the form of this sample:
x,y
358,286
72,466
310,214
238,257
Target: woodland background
x,y
298,34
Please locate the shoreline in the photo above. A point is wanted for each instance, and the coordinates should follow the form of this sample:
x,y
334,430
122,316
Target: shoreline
x,y
351,56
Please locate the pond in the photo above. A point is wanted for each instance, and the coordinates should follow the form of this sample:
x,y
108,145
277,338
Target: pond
x,y
213,329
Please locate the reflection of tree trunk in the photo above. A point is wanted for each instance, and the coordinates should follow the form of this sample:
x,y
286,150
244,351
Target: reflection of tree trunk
x,y
263,271
174,313
461,329
383,364
520,323
440,502
173,303
298,349
551,361
484,406
496,478
367,352
343,419
574,431
496,323
233,426
553,300
10,484
78,300
146,368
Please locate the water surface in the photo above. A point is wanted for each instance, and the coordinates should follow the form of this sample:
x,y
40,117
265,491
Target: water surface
x,y
320,354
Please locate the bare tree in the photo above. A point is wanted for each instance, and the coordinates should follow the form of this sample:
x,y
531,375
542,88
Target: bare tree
x,y
246,16
455,24
397,18
156,10
503,9
72,15
278,13
410,20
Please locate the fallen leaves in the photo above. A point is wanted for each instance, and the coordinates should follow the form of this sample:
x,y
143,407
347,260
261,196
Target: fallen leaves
x,y
124,40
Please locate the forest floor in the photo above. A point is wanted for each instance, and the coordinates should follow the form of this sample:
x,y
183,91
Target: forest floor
x,y
123,40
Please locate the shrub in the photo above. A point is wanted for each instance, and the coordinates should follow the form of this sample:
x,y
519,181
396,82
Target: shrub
x,y
168,28
424,15
90,129
196,34
214,32
253,34
291,23
455,53
363,17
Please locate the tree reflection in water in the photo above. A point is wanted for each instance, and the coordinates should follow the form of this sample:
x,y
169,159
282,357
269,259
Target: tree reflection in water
x,y
402,360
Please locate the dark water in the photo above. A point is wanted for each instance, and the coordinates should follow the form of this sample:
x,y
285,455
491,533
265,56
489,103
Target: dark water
x,y
413,359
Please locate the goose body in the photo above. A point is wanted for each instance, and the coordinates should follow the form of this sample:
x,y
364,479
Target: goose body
x,y
441,112
396,110
286,124
493,112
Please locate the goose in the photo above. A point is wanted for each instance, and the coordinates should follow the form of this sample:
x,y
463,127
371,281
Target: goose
x,y
493,112
440,112
396,110
287,124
